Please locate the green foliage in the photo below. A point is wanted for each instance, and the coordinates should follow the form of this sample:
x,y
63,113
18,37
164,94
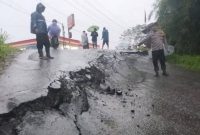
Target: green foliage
x,y
5,50
191,62
180,20
133,35
3,37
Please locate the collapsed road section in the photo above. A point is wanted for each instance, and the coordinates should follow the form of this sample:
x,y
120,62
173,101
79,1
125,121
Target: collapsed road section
x,y
88,101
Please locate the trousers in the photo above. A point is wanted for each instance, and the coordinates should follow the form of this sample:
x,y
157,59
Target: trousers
x,y
159,56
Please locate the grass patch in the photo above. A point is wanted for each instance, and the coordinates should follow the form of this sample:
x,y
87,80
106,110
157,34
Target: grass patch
x,y
191,62
5,51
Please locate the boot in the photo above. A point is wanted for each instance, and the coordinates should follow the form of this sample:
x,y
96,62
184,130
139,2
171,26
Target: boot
x,y
41,56
165,73
156,74
40,52
48,53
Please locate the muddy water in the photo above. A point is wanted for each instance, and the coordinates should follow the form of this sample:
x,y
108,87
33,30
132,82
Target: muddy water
x,y
89,101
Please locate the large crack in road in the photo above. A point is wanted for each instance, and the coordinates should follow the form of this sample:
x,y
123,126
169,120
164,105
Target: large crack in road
x,y
113,95
67,100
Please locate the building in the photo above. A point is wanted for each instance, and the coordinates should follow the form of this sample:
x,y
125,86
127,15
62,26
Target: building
x,y
64,43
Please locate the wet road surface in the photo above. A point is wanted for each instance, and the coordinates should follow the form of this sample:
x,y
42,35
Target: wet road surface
x,y
89,101
28,77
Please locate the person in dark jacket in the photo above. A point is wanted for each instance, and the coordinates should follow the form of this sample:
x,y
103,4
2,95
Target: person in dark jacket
x,y
39,27
105,37
94,35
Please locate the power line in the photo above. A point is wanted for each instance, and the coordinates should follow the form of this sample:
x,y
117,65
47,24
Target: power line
x,y
24,11
60,13
84,11
98,10
99,3
14,8
17,8
81,10
55,9
18,5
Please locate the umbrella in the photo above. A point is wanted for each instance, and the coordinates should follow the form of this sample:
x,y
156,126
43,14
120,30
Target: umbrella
x,y
91,28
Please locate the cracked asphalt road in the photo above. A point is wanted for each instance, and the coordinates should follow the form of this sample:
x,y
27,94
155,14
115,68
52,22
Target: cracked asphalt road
x,y
147,106
27,78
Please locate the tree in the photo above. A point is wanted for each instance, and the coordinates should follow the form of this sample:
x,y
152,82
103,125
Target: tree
x,y
180,21
133,35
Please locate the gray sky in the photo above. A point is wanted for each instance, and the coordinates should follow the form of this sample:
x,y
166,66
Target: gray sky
x,y
115,15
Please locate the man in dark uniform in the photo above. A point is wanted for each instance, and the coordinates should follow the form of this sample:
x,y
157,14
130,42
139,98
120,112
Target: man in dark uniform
x,y
105,37
39,27
94,35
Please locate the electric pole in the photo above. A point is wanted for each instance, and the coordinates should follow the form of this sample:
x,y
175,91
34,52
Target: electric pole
x,y
63,29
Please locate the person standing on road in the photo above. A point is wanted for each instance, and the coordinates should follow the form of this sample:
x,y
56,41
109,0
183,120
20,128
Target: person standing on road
x,y
158,42
94,35
39,27
105,37
84,40
54,33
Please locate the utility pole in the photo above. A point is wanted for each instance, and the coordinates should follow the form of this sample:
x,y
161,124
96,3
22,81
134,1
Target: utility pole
x,y
69,36
145,17
70,25
63,29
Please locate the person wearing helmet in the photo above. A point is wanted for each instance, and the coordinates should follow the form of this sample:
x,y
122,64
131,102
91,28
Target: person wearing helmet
x,y
39,28
54,33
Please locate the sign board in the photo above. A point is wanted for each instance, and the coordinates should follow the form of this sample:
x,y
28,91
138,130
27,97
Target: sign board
x,y
70,22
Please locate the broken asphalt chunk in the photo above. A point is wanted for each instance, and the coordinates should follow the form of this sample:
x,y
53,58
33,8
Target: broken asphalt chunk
x,y
56,85
119,92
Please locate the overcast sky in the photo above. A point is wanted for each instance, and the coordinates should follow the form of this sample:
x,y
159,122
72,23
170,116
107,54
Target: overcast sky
x,y
115,15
